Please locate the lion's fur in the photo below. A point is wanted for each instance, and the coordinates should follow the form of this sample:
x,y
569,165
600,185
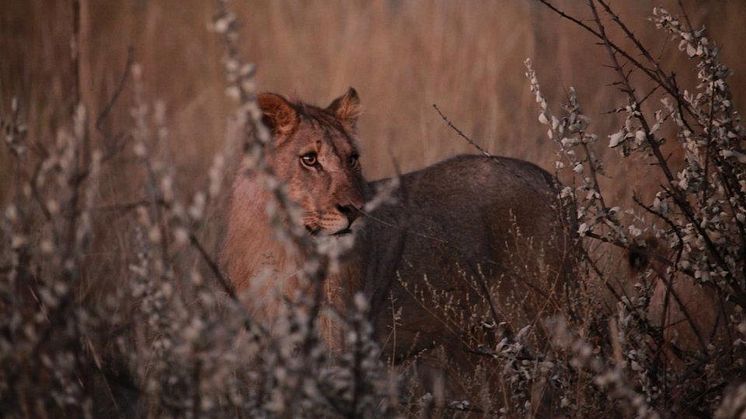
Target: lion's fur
x,y
458,228
464,226
256,261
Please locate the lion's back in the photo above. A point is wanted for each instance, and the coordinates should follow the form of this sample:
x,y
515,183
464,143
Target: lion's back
x,y
471,204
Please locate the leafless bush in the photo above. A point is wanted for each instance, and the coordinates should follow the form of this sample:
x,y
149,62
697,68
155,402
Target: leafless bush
x,y
690,235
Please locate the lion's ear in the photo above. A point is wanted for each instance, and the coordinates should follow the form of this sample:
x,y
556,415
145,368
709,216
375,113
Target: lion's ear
x,y
346,108
279,115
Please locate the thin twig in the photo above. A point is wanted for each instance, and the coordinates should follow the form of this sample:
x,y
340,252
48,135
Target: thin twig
x,y
224,282
461,134
117,91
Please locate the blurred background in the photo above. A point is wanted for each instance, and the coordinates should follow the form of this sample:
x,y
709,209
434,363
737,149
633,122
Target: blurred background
x,y
402,57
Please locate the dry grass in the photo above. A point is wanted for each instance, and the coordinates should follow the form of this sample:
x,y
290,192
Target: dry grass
x,y
401,56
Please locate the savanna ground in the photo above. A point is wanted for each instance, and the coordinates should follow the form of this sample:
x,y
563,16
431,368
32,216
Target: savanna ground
x,y
152,80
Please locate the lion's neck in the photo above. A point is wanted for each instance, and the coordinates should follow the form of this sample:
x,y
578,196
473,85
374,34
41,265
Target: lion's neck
x,y
251,248
260,265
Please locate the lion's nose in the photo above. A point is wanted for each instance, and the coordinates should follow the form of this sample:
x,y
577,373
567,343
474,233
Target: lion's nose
x,y
349,211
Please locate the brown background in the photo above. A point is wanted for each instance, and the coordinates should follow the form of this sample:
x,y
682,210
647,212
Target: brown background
x,y
467,57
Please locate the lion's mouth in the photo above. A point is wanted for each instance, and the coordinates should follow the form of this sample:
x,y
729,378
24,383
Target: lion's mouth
x,y
343,232
315,231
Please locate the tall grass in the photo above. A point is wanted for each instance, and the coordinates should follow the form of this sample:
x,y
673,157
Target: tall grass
x,y
402,58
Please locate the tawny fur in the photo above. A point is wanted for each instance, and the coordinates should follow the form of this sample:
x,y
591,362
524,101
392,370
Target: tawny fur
x,y
257,263
469,224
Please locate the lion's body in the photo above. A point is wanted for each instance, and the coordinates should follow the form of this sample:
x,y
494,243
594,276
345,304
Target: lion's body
x,y
472,250
462,229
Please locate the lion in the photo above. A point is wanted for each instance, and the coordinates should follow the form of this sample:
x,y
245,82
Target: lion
x,y
314,153
469,250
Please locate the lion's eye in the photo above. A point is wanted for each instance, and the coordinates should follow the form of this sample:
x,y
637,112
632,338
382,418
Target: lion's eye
x,y
309,159
354,161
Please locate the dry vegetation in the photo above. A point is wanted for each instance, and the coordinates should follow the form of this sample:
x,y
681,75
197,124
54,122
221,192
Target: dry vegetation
x,y
119,136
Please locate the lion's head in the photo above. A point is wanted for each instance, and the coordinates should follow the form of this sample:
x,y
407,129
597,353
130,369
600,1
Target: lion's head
x,y
315,155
